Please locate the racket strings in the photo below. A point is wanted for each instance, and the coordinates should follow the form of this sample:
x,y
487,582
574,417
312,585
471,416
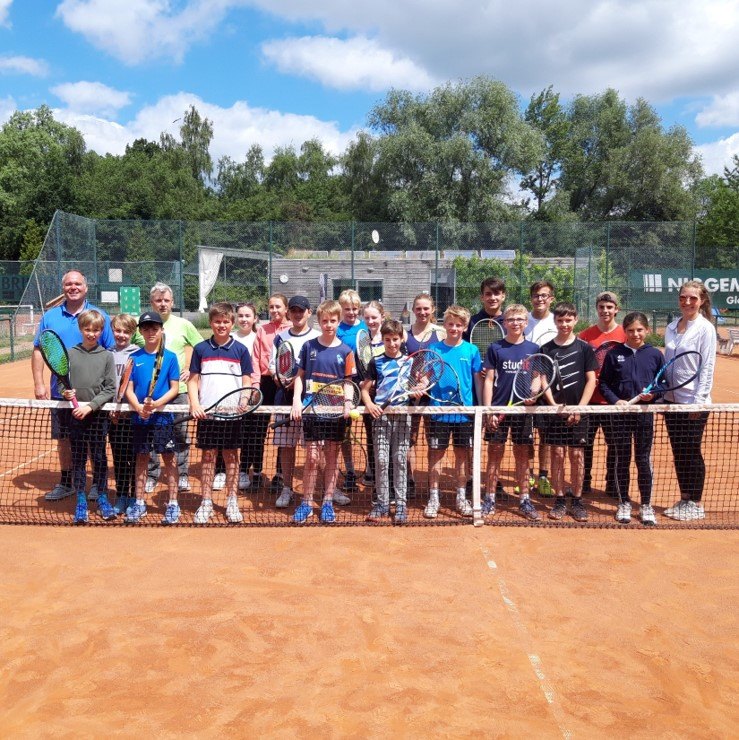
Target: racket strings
x,y
237,403
681,370
54,353
534,377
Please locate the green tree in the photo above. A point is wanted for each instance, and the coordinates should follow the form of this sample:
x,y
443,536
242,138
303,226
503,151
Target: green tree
x,y
718,227
40,160
196,134
447,155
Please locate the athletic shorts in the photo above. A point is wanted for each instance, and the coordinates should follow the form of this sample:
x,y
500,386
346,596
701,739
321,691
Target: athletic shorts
x,y
288,435
522,430
439,432
323,430
559,434
60,420
159,438
219,434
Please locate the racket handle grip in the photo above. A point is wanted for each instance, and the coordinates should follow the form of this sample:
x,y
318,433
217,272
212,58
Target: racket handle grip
x,y
635,399
280,423
75,403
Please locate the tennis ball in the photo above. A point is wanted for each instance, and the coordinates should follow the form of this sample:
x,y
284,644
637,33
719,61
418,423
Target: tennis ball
x,y
354,414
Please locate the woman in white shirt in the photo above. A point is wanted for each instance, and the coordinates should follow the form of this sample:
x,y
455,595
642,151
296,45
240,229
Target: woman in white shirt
x,y
692,331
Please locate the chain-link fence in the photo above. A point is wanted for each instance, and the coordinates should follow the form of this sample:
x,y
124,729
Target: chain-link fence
x,y
207,261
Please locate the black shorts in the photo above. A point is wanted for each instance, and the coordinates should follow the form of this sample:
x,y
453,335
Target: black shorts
x,y
559,434
154,437
323,430
60,420
522,430
219,434
439,432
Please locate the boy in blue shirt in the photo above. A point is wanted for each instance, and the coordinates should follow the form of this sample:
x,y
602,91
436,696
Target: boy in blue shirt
x,y
464,359
153,430
322,360
502,360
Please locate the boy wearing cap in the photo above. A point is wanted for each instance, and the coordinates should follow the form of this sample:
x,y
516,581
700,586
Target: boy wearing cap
x,y
287,437
153,431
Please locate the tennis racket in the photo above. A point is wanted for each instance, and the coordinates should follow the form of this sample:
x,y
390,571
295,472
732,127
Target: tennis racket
x,y
532,379
544,337
327,402
354,449
678,372
286,367
157,370
447,391
603,350
364,351
484,333
56,358
54,302
232,406
420,371
125,377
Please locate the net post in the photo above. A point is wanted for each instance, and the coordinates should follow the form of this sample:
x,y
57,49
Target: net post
x,y
477,519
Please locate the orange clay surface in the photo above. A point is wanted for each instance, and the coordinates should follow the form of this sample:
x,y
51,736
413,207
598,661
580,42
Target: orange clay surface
x,y
452,631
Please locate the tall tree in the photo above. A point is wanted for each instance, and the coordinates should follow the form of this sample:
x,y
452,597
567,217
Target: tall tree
x,y
196,134
40,161
718,226
447,155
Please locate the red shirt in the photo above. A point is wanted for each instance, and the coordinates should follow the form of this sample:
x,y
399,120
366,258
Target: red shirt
x,y
595,337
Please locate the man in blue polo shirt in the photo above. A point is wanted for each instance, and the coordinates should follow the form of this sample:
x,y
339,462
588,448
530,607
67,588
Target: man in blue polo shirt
x,y
63,320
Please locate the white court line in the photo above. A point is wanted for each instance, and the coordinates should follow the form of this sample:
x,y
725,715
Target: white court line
x,y
525,636
23,465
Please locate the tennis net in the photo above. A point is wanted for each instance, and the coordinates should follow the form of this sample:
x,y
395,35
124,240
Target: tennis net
x,y
672,470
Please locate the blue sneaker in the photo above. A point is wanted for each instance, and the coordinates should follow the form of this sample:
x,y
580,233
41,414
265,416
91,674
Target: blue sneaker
x,y
172,513
105,510
327,512
488,505
303,512
401,514
80,511
135,513
122,503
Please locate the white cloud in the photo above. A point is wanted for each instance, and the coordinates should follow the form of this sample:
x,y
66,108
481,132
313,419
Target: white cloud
x,y
92,97
722,111
5,12
355,64
7,108
235,128
719,154
23,66
134,31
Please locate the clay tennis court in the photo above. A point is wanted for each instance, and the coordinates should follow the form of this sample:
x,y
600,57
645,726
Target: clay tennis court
x,y
369,632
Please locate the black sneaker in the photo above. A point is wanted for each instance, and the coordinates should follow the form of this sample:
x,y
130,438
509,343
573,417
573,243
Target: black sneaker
x,y
559,509
277,484
578,511
499,488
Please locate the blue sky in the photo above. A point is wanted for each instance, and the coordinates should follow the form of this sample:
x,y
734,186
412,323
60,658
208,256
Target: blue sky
x,y
278,72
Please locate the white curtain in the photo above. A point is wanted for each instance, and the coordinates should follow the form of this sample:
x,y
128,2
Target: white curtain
x,y
209,263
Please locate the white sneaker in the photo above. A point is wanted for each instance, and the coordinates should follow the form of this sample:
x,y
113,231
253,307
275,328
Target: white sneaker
x,y
688,511
285,498
341,499
646,514
232,511
432,507
151,484
244,481
219,481
623,513
93,495
183,484
464,507
204,512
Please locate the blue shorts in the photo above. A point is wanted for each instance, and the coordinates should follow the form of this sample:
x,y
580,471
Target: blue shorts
x,y
159,438
60,420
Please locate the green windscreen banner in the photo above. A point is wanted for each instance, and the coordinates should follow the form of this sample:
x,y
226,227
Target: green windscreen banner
x,y
658,289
